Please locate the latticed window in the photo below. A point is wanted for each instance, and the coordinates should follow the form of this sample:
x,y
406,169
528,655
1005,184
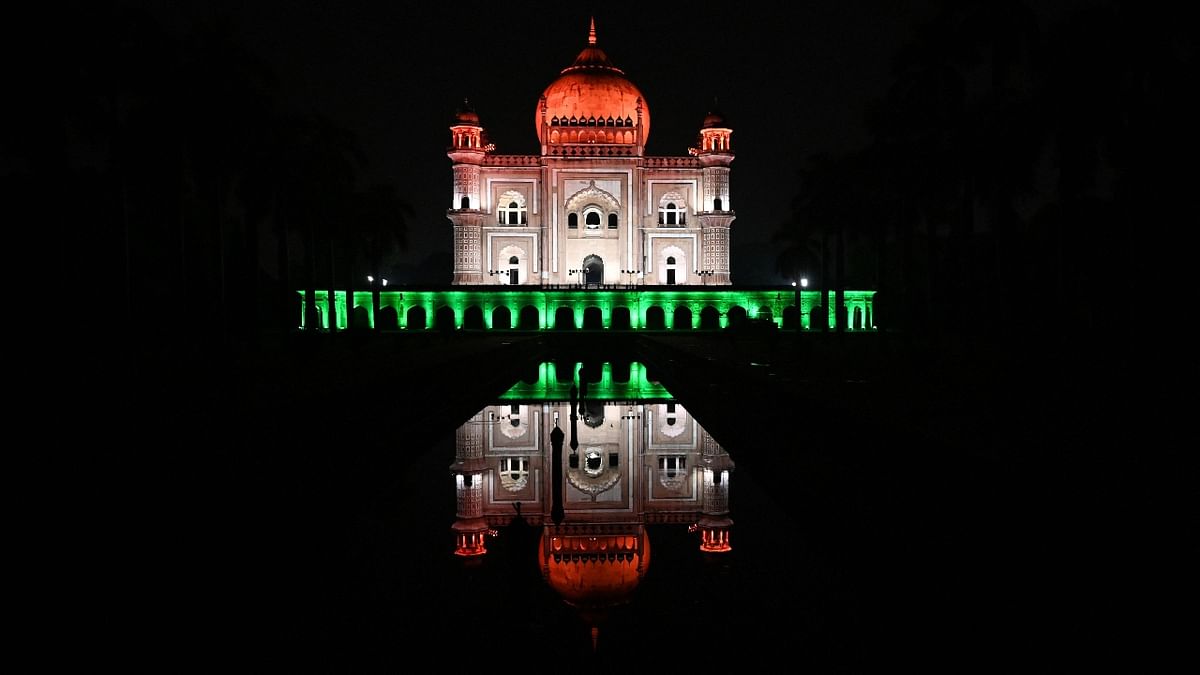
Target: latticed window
x,y
514,473
670,214
513,214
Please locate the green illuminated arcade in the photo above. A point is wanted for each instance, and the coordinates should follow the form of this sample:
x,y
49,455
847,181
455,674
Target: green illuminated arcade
x,y
591,232
499,308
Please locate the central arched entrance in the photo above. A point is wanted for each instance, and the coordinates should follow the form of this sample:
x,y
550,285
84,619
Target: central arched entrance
x,y
593,270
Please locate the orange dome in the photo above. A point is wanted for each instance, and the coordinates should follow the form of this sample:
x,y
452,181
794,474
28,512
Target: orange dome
x,y
593,87
595,572
466,114
713,119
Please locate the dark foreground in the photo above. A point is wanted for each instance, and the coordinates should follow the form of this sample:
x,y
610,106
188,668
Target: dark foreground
x,y
934,503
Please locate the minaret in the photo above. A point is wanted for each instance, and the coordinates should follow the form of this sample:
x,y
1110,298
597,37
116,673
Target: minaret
x,y
467,150
715,153
469,469
714,520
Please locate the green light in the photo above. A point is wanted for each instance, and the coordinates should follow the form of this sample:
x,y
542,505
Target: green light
x,y
638,302
548,387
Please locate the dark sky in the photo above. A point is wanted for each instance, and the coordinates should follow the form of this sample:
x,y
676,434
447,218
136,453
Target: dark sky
x,y
792,80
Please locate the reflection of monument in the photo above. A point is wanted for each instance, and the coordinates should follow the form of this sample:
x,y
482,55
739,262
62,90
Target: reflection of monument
x,y
632,463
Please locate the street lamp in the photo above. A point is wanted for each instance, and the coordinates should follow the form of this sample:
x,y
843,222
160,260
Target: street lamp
x,y
631,273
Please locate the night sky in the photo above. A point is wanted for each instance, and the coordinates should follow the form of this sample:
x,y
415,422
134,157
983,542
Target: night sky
x,y
793,82
1042,328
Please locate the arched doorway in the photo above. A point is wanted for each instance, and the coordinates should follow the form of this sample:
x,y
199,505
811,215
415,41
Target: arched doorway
x,y
656,318
362,318
620,318
818,318
737,316
592,319
564,319
514,270
501,318
528,319
388,319
473,318
682,319
620,371
593,270
791,318
710,318
672,266
444,318
858,318
564,370
415,319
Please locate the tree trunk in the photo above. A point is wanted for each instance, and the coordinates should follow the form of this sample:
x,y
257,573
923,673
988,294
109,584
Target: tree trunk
x,y
375,285
311,322
331,298
839,303
284,264
824,280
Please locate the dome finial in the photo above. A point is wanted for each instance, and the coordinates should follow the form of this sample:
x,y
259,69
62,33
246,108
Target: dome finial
x,y
592,32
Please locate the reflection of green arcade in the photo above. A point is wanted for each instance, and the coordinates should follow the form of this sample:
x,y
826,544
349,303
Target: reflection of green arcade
x,y
490,308
609,386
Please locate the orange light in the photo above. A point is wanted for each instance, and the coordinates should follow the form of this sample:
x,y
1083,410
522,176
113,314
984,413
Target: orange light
x,y
715,541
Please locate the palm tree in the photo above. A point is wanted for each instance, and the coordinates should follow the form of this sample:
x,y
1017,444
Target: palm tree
x,y
325,162
379,223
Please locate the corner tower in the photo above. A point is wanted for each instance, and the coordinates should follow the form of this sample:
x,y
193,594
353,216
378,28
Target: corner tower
x,y
715,153
467,150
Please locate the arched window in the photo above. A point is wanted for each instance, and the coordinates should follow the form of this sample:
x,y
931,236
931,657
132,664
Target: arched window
x,y
612,221
592,220
512,209
465,203
513,214
671,210
514,473
573,221
717,204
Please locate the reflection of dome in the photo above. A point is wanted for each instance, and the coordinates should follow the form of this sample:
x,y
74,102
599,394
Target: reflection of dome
x,y
594,571
592,87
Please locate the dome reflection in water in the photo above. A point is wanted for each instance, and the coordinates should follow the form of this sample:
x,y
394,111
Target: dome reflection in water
x,y
627,456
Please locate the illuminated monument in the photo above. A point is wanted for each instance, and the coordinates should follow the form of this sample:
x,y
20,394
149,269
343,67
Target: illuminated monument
x,y
590,470
591,233
592,208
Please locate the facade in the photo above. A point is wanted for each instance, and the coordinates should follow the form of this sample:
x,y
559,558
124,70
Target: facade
x,y
591,209
590,233
589,474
